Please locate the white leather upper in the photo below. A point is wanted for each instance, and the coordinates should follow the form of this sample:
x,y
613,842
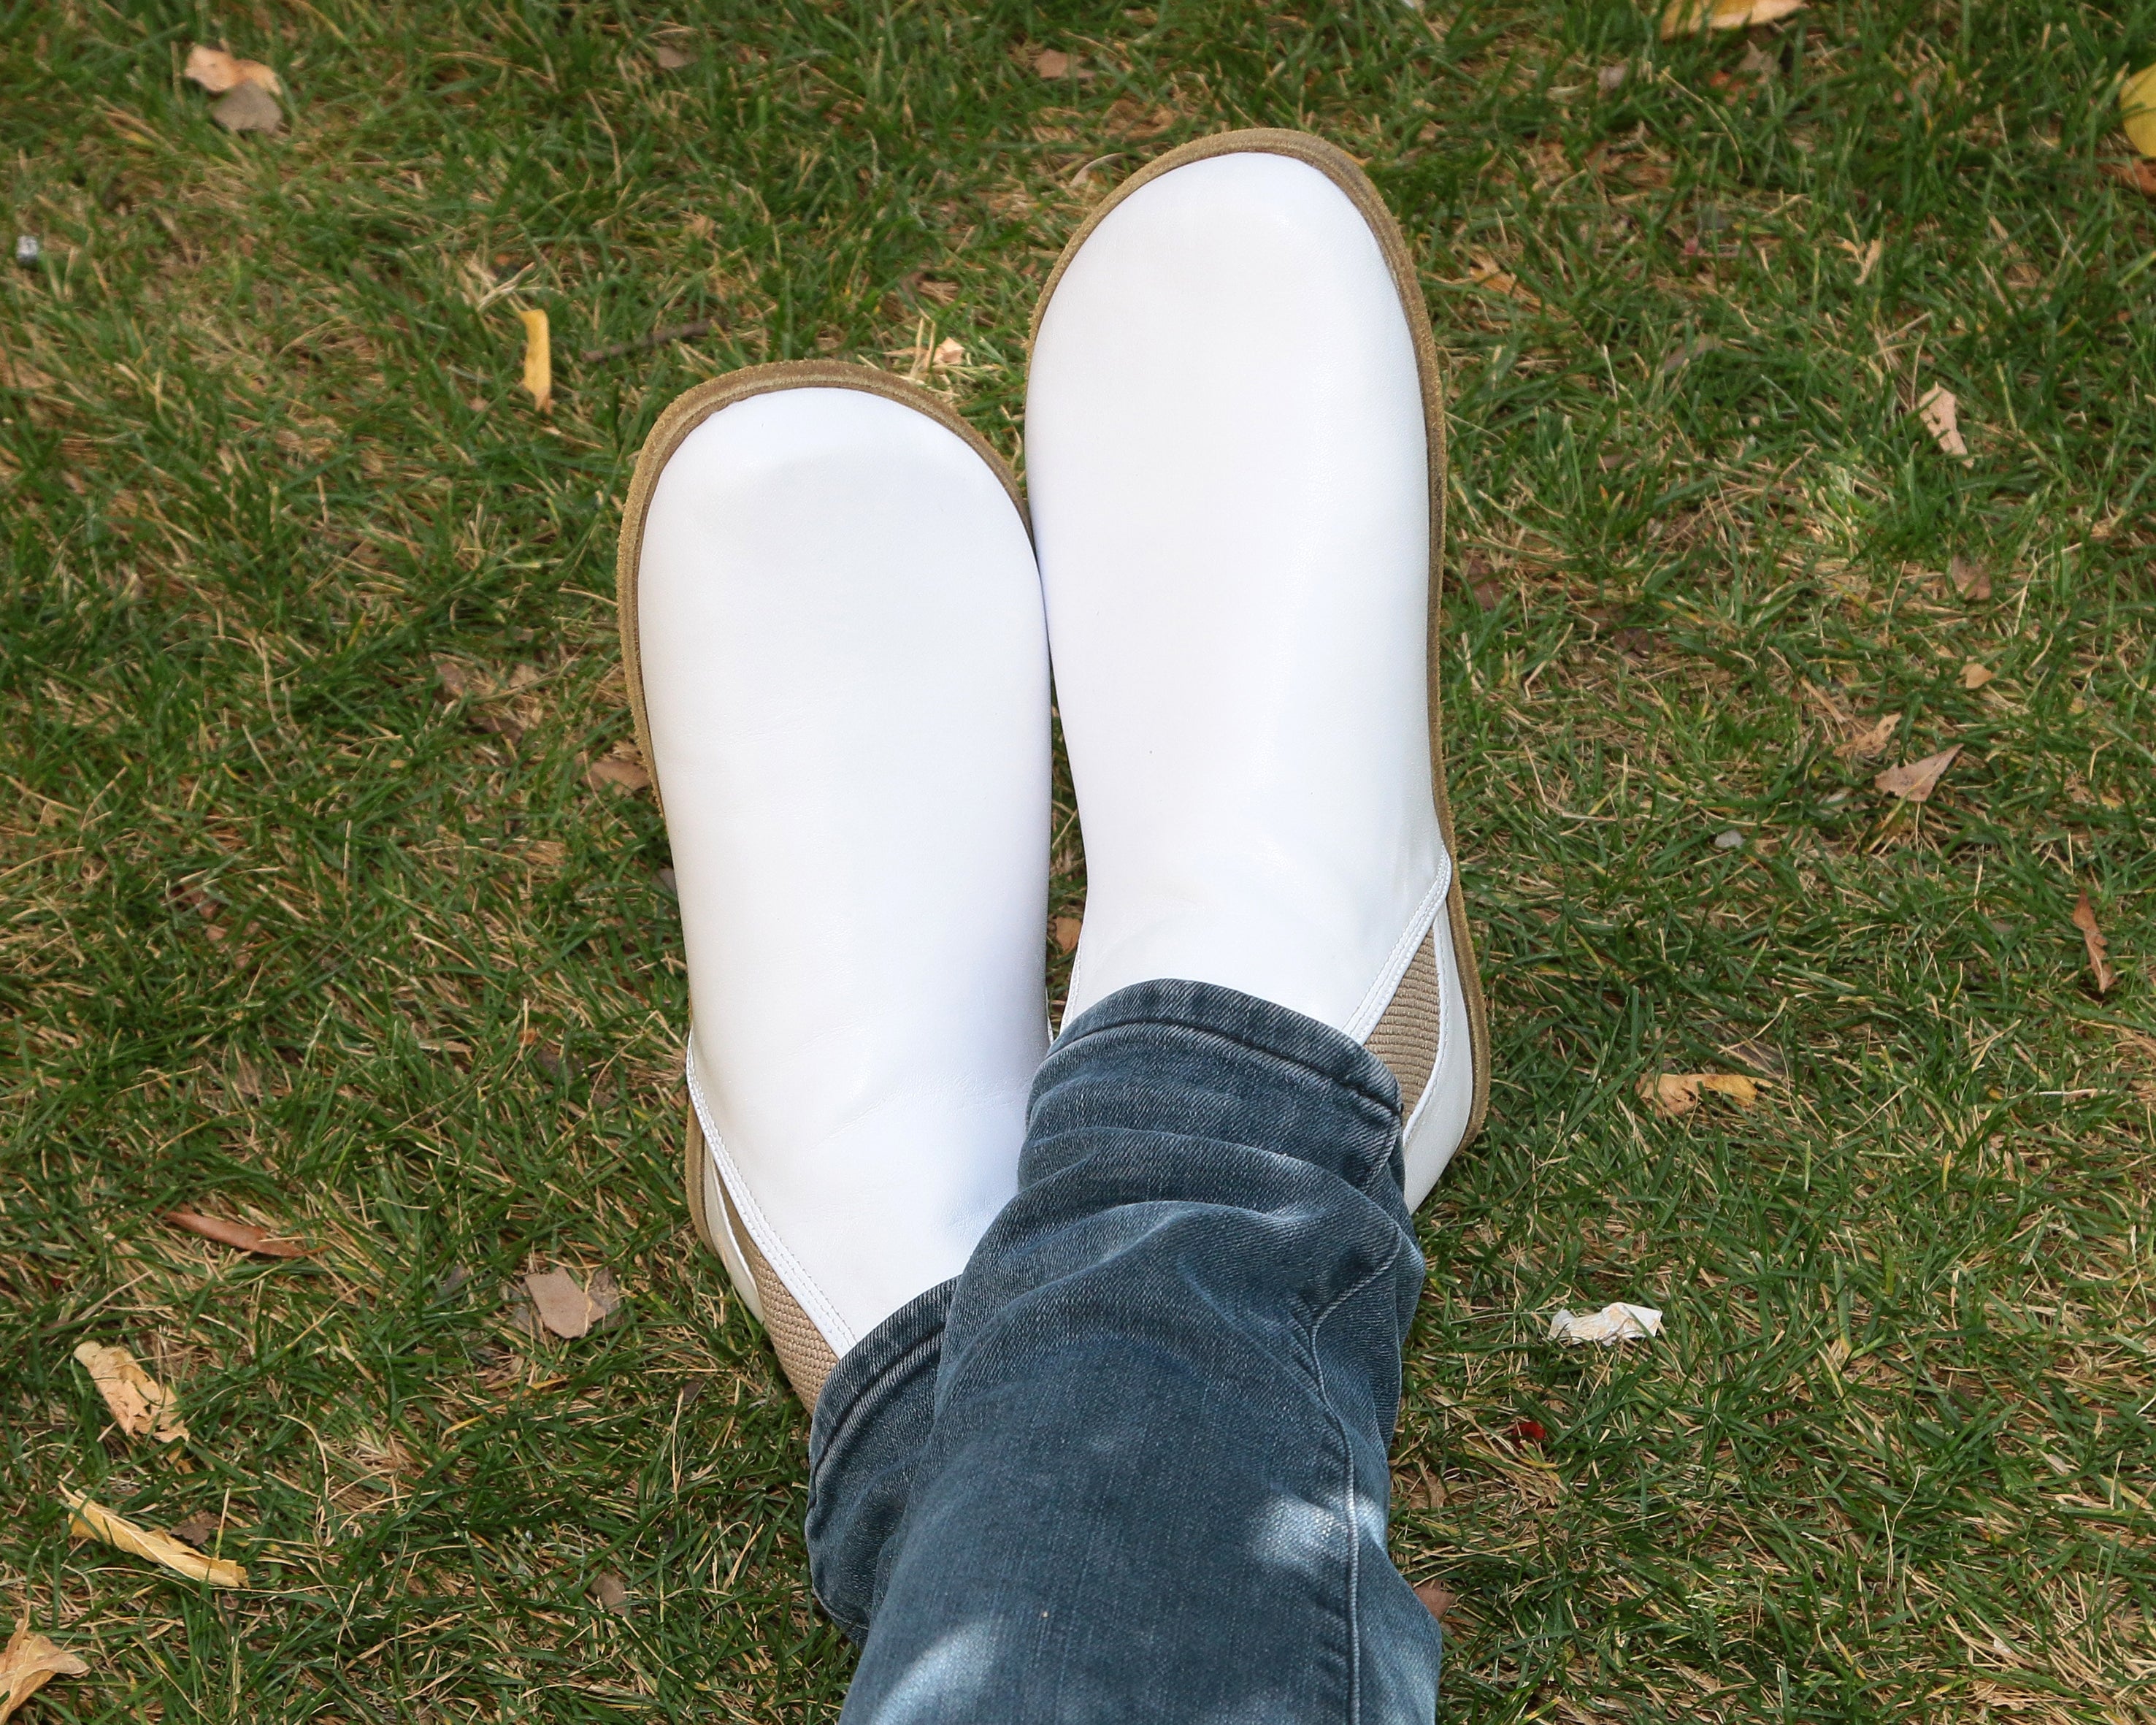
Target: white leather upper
x,y
845,676
1229,485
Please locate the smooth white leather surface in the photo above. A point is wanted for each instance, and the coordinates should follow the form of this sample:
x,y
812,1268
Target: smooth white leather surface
x,y
1226,465
845,675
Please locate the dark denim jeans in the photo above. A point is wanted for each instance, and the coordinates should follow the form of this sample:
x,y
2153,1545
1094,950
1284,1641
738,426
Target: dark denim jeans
x,y
1130,1466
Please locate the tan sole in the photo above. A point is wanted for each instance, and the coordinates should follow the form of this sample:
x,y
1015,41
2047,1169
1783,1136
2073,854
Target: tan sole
x,y
1340,168
802,1350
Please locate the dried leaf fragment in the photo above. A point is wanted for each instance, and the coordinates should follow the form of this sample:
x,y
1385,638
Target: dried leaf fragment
x,y
622,767
2137,109
28,1663
610,1591
1867,255
538,358
1678,1093
249,108
1974,676
570,1308
1437,1598
241,1236
93,1520
2139,174
1483,272
141,1406
1914,781
1691,17
1067,930
218,71
1940,409
198,1529
1874,736
671,56
1055,63
2098,947
1971,579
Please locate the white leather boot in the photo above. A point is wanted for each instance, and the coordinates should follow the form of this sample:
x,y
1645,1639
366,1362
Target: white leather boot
x,y
832,625
1235,458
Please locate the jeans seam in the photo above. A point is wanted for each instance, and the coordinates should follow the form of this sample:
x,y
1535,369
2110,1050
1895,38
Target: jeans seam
x,y
1348,1456
842,1422
1228,1036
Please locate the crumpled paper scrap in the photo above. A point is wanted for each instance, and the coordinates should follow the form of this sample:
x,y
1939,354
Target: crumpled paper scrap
x,y
1615,1322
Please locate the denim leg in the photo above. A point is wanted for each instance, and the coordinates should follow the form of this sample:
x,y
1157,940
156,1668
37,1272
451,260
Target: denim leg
x,y
1146,1478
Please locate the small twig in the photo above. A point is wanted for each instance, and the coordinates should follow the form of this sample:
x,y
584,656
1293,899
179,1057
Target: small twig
x,y
657,338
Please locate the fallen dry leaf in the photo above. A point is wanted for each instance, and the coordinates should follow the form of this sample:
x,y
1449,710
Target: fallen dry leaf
x,y
1971,579
249,108
2098,947
1973,676
93,1520
672,58
1676,1092
1873,737
1482,271
1067,929
623,768
538,358
2140,174
1914,781
1055,63
610,1590
141,1406
1612,78
29,1662
2137,109
218,71
1690,18
459,679
1437,1597
569,1308
198,1529
241,1236
1866,256
1940,409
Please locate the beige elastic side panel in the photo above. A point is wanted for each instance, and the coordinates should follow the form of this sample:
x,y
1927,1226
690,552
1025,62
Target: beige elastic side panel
x,y
806,1357
1406,1036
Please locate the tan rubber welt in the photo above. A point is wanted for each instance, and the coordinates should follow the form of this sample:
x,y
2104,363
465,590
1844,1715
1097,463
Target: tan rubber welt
x,y
804,1352
1340,168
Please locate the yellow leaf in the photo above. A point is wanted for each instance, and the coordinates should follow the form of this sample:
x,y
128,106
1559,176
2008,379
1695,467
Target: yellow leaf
x,y
93,1520
1738,1089
1974,676
2136,106
1691,17
29,1662
538,359
142,1406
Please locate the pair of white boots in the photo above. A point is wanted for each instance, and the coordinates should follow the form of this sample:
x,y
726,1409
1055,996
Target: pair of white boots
x,y
838,633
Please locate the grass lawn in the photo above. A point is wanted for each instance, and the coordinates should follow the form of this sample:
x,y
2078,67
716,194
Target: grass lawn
x,y
293,931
